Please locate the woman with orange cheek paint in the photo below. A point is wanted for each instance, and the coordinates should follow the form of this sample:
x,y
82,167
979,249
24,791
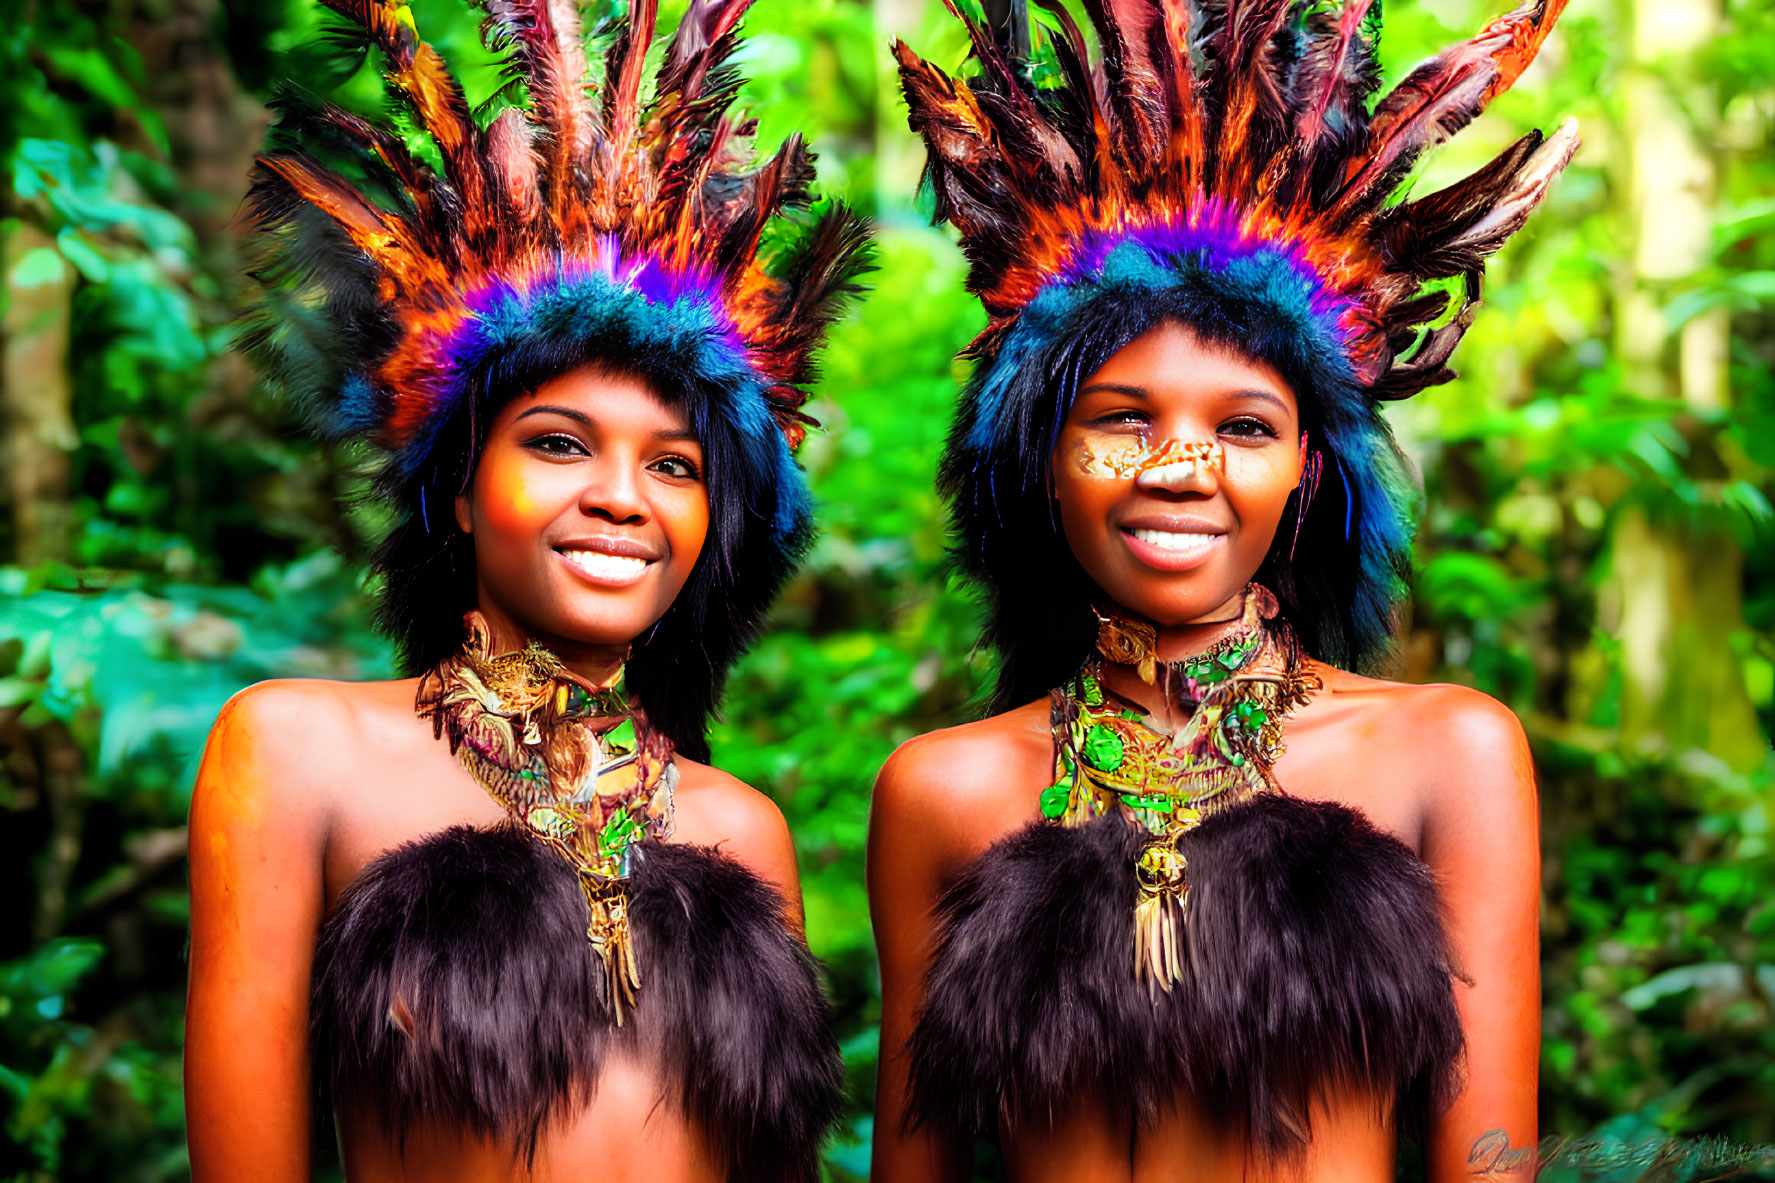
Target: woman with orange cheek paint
x,y
1202,898
588,512
500,918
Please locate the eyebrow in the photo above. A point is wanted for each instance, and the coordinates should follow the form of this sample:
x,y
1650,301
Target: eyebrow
x,y
550,409
1262,396
584,420
1141,392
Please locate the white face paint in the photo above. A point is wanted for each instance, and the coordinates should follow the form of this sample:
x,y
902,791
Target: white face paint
x,y
1149,466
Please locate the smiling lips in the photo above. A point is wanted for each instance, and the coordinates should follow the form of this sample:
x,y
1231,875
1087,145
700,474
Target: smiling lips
x,y
612,562
1172,546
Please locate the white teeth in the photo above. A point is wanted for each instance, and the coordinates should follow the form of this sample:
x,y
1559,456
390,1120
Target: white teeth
x,y
602,566
1169,540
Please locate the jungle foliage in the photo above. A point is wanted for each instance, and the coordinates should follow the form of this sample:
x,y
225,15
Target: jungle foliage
x,y
1594,546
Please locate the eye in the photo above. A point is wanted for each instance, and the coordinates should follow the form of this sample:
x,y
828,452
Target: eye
x,y
1248,427
557,444
678,467
1123,419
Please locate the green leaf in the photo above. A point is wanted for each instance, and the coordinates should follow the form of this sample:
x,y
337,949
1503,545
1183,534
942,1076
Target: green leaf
x,y
82,254
620,740
619,831
1102,749
50,971
1055,799
91,70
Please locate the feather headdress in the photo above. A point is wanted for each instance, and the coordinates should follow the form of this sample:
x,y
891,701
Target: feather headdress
x,y
606,220
1222,161
601,211
1224,130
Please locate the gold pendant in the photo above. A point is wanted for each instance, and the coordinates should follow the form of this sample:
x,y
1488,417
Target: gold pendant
x,y
1158,917
608,931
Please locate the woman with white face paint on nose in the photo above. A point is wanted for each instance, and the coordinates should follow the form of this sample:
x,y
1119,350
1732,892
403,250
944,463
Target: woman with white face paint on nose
x,y
1200,899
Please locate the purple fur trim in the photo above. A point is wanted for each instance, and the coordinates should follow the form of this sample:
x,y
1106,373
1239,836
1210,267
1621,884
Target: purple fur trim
x,y
1215,236
641,299
646,276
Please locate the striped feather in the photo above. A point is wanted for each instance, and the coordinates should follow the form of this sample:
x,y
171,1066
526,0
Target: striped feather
x,y
421,76
1442,96
702,42
1334,76
544,40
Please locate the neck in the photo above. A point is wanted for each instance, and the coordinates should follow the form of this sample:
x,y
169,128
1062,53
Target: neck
x,y
1180,641
596,664
1175,643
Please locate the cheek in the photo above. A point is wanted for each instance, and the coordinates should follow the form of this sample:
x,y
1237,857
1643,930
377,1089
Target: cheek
x,y
1085,499
508,497
1258,484
685,518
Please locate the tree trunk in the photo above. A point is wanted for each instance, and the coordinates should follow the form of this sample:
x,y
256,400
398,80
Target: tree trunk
x,y
1679,593
36,394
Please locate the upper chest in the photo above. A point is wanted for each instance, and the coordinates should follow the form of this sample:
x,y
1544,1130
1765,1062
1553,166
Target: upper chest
x,y
1349,748
407,784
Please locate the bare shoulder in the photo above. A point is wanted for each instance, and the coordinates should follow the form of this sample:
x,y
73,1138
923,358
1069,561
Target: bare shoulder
x,y
971,763
714,808
1459,715
293,708
964,786
1469,748
289,742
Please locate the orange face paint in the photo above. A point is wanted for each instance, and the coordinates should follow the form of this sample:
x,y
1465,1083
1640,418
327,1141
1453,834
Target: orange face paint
x,y
506,500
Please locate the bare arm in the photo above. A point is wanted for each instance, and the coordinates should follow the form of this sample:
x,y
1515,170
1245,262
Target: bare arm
x,y
1482,838
258,837
904,863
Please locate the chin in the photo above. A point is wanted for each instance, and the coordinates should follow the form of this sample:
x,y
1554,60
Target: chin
x,y
1181,602
587,620
604,629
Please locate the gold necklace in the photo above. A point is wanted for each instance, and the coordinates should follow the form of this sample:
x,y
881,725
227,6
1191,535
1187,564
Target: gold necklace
x,y
1111,755
574,762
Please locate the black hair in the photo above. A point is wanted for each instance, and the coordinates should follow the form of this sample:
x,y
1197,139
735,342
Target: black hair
x,y
1337,583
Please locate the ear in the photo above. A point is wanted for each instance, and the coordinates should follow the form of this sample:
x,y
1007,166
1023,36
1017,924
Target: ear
x,y
464,518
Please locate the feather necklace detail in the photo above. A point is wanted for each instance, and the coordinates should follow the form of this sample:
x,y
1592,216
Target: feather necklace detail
x,y
573,762
1110,754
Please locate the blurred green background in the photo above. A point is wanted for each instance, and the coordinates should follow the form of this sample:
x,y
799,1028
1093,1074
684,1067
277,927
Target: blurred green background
x,y
1594,547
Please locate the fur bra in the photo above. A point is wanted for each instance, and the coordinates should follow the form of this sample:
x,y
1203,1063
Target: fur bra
x,y
1316,958
454,984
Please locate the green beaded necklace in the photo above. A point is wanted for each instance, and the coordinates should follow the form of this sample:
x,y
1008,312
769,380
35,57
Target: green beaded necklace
x,y
1110,755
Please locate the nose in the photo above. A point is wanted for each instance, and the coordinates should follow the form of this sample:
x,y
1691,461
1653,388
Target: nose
x,y
1183,466
613,491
